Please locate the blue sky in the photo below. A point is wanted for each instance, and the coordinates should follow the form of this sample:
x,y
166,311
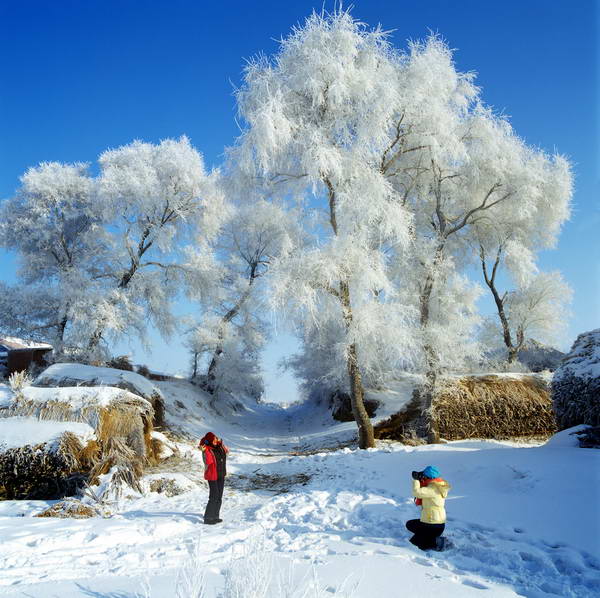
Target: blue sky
x,y
77,77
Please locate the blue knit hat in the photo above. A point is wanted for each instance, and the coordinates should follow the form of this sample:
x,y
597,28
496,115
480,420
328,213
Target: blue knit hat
x,y
431,472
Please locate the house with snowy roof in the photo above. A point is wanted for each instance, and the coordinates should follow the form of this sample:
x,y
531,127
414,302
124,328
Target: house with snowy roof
x,y
17,354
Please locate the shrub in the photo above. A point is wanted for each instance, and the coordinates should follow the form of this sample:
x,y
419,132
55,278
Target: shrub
x,y
122,362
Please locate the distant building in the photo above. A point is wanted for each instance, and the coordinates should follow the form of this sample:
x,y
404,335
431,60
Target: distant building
x,y
17,354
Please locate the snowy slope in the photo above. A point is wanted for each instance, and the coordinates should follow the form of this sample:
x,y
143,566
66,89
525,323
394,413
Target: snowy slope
x,y
299,504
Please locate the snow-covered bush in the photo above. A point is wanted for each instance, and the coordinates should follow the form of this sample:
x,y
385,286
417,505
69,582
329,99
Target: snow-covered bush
x,y
18,381
249,572
190,579
576,383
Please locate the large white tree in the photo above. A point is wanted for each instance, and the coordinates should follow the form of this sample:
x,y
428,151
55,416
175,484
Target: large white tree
x,y
322,122
160,200
55,224
509,243
234,326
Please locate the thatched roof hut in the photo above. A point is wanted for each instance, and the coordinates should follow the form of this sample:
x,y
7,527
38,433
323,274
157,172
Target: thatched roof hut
x,y
495,406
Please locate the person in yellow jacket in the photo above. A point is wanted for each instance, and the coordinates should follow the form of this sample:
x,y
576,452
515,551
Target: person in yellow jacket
x,y
430,491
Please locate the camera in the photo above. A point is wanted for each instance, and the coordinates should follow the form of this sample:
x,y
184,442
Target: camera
x,y
417,475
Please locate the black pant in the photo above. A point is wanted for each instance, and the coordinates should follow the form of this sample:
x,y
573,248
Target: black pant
x,y
215,497
424,533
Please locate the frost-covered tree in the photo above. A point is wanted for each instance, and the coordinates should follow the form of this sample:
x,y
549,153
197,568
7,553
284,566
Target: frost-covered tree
x,y
479,173
234,325
509,242
537,310
30,312
322,123
55,225
160,199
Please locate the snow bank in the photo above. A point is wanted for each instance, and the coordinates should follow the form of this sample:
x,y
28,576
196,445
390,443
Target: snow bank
x,y
80,397
75,374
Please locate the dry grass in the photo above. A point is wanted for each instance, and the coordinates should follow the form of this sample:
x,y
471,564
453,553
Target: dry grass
x,y
497,407
166,486
123,440
42,471
90,454
279,484
128,467
69,509
494,407
401,426
128,417
155,400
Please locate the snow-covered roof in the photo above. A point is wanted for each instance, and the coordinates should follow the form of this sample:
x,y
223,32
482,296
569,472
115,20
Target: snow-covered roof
x,y
18,344
20,431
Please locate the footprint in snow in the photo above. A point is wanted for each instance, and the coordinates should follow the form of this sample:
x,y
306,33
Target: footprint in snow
x,y
590,561
474,584
421,561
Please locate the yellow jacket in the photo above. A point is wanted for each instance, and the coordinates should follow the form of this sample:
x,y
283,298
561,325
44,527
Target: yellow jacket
x,y
433,497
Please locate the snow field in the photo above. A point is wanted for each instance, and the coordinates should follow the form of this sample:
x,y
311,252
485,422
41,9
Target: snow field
x,y
521,519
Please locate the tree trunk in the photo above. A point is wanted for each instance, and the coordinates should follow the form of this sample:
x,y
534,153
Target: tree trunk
x,y
211,373
96,337
425,425
366,437
126,277
195,365
490,281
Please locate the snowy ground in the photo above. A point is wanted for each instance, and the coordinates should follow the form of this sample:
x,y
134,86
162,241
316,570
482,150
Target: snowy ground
x,y
524,519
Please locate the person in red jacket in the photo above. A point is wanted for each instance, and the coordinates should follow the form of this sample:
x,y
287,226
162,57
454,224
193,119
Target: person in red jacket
x,y
214,455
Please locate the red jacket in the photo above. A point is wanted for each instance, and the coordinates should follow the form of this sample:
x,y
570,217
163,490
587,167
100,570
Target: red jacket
x,y
210,462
